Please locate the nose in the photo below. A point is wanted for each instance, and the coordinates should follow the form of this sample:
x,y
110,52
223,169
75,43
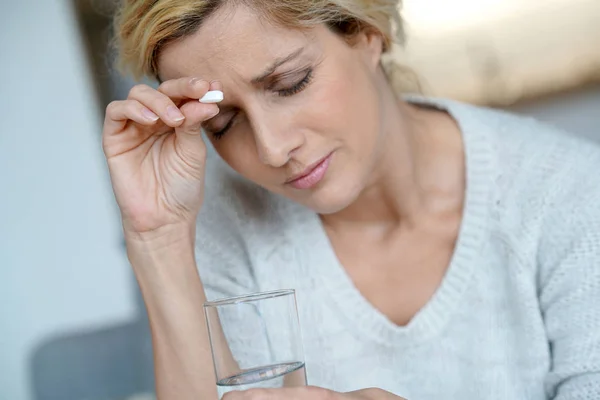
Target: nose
x,y
276,141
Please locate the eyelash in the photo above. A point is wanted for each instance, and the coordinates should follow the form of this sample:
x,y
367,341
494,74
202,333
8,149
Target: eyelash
x,y
297,88
218,135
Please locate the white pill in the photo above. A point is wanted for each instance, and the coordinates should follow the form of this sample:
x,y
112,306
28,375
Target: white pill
x,y
214,96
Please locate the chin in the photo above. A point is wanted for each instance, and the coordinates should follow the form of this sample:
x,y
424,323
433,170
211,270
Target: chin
x,y
331,198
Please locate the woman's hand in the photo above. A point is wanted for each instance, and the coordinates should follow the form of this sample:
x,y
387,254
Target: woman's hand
x,y
309,393
156,155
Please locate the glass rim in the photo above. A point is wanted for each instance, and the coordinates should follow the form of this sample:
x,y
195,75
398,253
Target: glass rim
x,y
248,298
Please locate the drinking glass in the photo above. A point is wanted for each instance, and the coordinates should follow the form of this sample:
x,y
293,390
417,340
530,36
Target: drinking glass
x,y
256,341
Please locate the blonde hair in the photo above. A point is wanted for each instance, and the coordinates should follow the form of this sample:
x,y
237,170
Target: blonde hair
x,y
144,27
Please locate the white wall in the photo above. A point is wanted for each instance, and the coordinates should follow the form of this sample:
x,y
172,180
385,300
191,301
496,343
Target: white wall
x,y
61,262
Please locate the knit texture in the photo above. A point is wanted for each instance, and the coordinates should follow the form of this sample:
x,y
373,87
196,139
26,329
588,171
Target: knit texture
x,y
517,315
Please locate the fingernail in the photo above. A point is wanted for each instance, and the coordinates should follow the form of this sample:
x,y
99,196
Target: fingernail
x,y
149,115
174,113
193,81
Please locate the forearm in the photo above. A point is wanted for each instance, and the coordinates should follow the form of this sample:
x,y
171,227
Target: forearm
x,y
166,272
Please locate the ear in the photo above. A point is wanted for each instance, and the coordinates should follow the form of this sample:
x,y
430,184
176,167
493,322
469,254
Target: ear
x,y
371,45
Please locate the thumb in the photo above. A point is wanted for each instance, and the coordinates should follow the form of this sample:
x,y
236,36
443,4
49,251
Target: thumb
x,y
189,141
196,113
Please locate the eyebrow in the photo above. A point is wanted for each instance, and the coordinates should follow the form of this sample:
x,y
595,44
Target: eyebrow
x,y
262,77
279,62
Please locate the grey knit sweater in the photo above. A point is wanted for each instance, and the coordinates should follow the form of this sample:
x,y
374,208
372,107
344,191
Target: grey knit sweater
x,y
517,315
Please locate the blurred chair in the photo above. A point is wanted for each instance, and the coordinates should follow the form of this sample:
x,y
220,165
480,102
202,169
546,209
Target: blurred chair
x,y
112,363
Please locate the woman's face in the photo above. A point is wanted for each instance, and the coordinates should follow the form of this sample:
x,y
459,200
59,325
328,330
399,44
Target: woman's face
x,y
301,115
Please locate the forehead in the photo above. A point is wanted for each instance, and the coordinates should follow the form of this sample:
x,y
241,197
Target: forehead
x,y
234,42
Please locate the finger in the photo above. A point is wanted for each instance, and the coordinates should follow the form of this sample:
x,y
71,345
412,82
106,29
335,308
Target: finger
x,y
185,88
216,85
195,114
159,103
289,393
374,393
119,112
257,394
189,142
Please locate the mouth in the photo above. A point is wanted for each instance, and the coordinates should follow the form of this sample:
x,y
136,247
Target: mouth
x,y
312,175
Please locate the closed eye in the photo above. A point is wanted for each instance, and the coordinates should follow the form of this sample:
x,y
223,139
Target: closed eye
x,y
286,92
298,87
219,134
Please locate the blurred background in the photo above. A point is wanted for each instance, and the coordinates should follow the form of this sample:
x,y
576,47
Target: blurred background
x,y
72,323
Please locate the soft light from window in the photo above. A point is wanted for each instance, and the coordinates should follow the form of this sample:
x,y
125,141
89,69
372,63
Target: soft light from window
x,y
432,16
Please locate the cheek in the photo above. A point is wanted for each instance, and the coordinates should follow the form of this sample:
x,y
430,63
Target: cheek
x,y
325,111
346,107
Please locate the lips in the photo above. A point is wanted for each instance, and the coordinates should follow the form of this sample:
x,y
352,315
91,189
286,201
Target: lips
x,y
312,175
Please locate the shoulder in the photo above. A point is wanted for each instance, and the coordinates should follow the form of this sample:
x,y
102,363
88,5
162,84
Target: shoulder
x,y
522,137
544,181
532,159
520,146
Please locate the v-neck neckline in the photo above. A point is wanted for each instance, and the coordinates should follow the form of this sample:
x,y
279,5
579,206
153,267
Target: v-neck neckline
x,y
367,320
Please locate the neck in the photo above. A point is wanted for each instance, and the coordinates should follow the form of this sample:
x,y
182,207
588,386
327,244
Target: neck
x,y
419,171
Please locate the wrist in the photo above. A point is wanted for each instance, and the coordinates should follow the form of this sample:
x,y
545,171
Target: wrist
x,y
162,238
162,254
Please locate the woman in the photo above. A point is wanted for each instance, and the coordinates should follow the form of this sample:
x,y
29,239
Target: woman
x,y
439,250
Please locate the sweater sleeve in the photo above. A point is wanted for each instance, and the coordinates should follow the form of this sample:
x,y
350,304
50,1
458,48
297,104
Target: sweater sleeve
x,y
569,294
